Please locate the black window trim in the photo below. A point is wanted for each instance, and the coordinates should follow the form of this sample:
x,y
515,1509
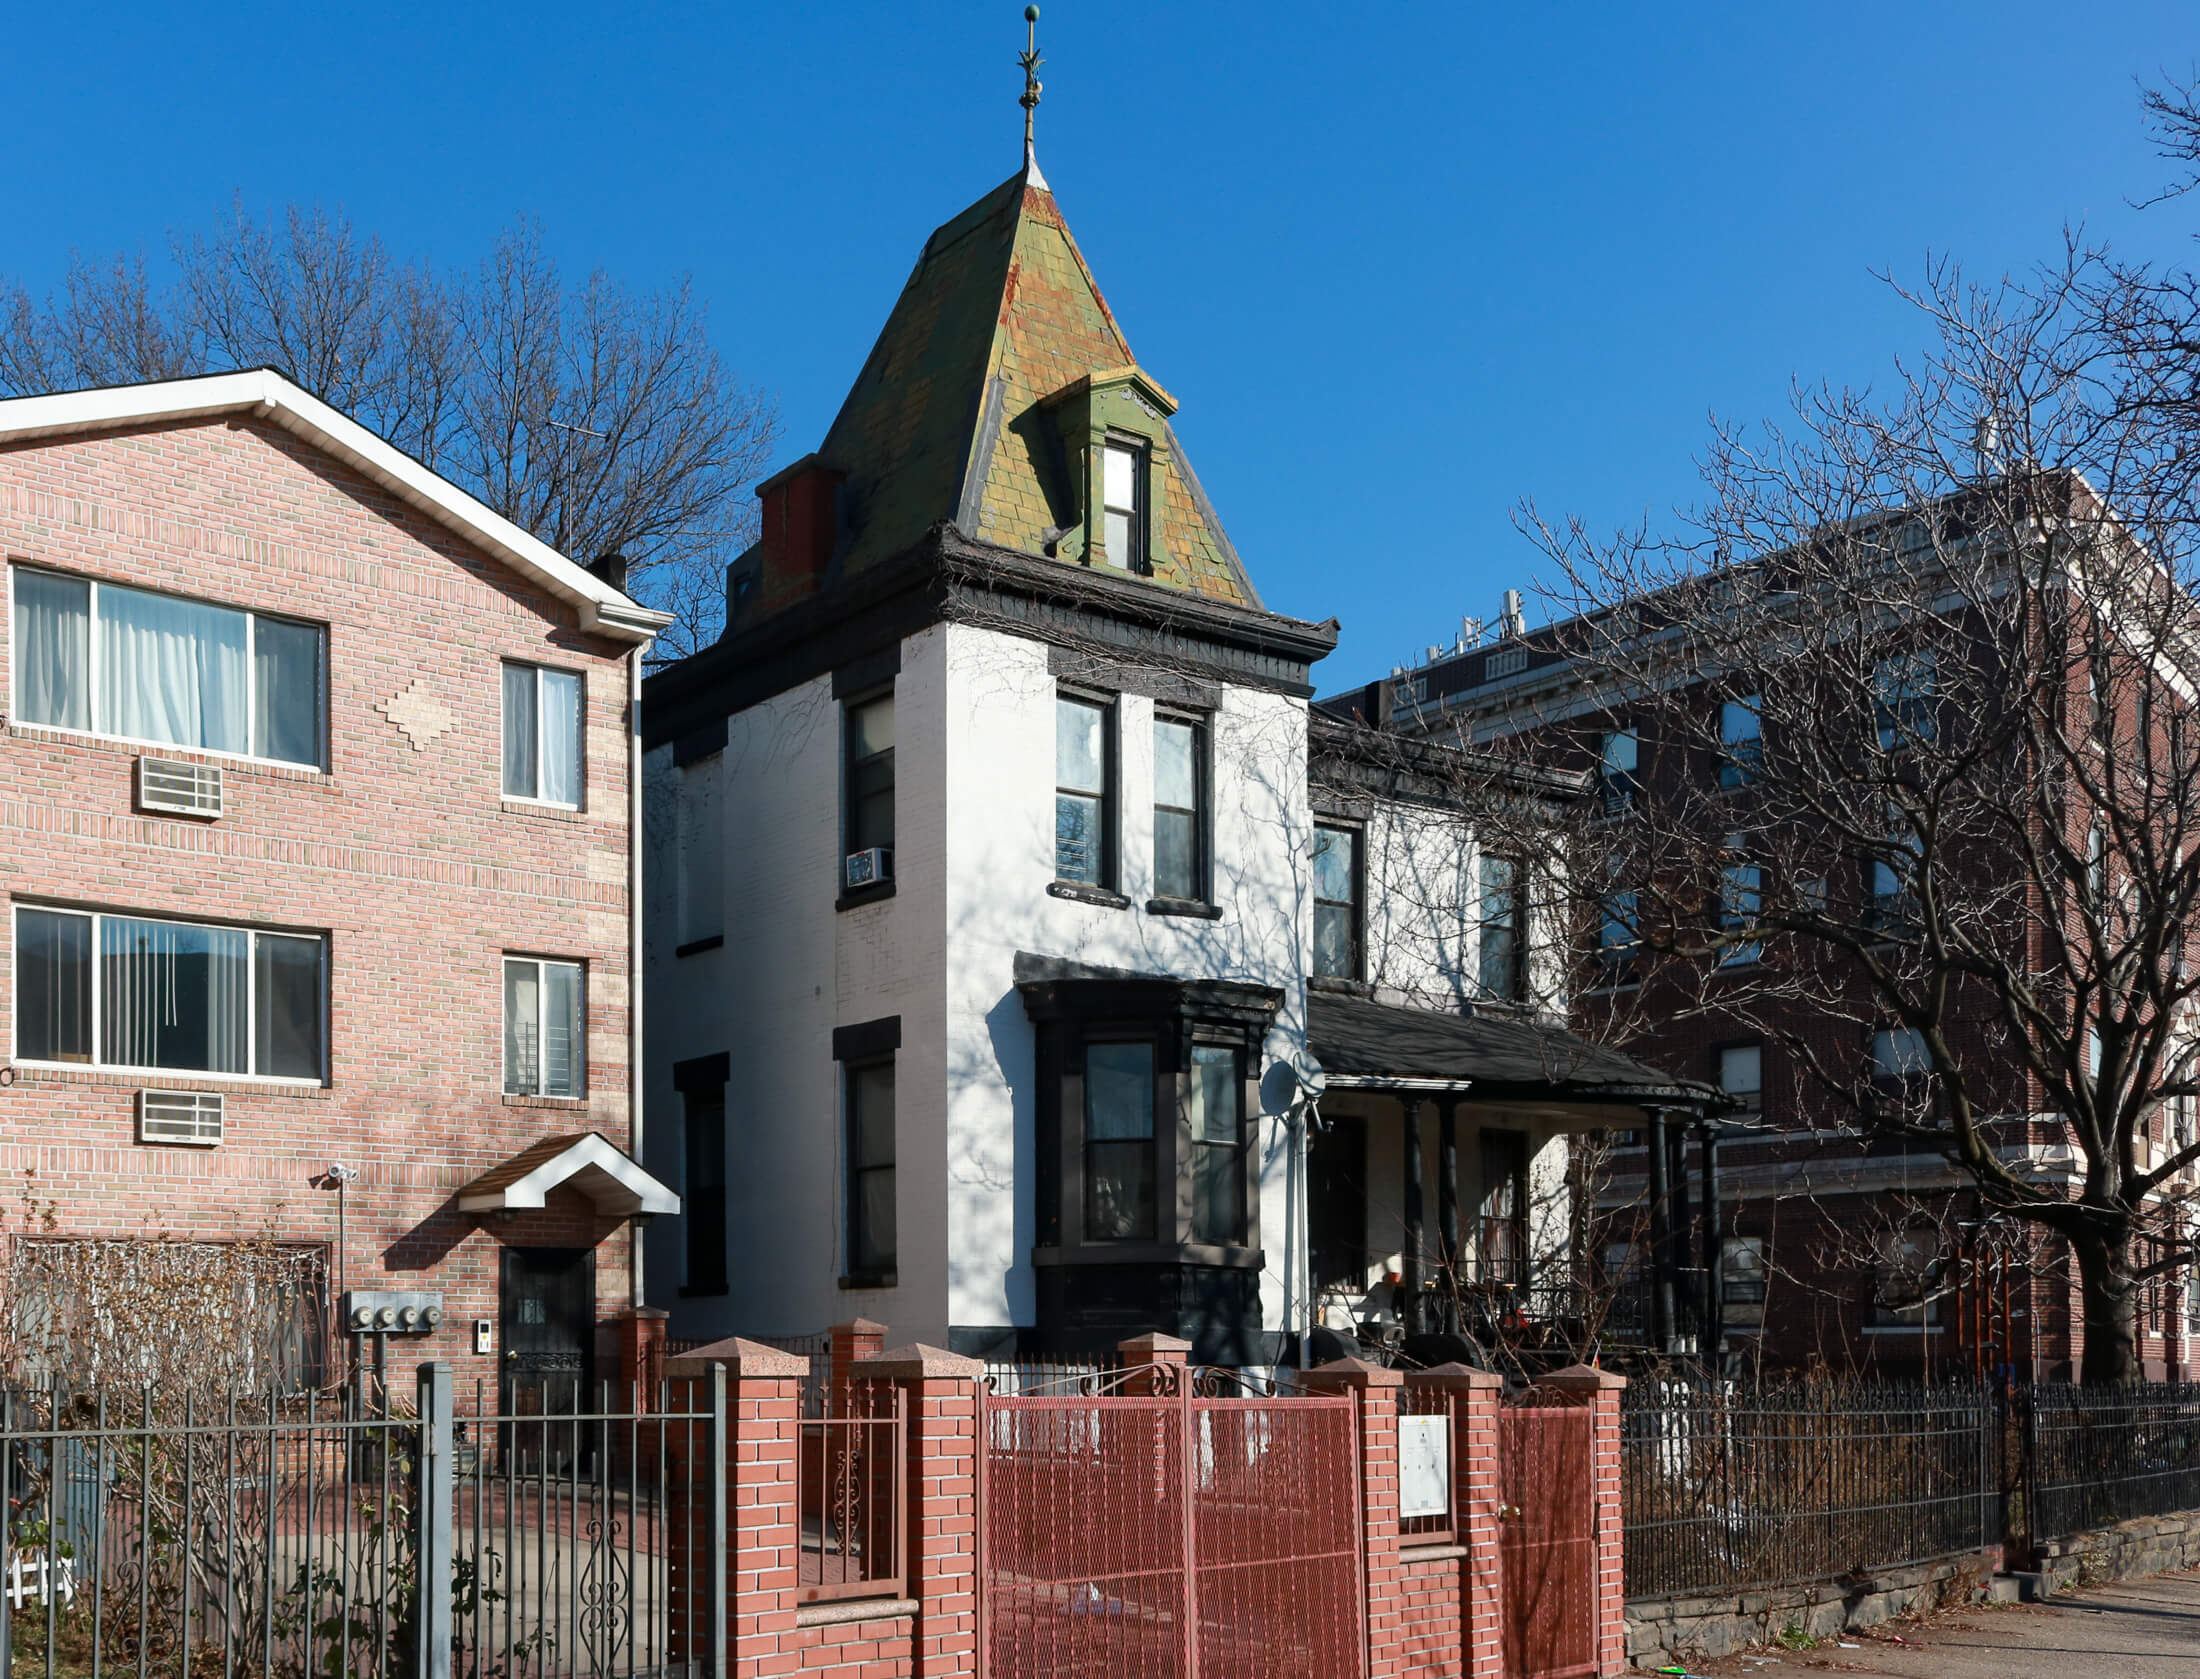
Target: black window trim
x,y
1203,814
858,1048
1358,906
1111,797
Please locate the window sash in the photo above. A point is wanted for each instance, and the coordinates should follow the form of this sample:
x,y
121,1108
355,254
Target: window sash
x,y
1501,959
703,1205
1215,1096
1337,929
136,993
870,750
156,669
1123,506
1121,1160
1084,754
545,1028
1180,808
543,729
873,1238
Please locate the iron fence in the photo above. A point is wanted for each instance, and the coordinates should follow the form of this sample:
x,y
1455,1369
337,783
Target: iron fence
x,y
1725,1489
849,1477
505,1533
2099,1456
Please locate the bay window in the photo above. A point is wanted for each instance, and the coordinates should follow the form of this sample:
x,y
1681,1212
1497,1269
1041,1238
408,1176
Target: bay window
x,y
1215,1095
542,735
139,666
1119,1142
140,993
544,1052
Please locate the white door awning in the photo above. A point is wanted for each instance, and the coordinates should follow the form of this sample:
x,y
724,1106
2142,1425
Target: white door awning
x,y
587,1160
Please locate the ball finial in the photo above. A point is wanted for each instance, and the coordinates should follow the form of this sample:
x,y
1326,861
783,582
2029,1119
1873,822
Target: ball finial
x,y
1031,14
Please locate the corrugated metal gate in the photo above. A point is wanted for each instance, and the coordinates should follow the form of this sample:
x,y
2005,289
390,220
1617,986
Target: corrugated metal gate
x,y
1171,1537
1547,1539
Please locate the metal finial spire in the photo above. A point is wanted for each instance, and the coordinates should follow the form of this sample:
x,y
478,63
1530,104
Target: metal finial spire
x,y
1029,58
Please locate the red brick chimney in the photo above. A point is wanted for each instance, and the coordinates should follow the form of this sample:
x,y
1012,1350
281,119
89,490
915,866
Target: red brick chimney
x,y
801,523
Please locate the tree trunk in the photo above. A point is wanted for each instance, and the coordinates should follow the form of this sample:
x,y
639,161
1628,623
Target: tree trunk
x,y
2111,1304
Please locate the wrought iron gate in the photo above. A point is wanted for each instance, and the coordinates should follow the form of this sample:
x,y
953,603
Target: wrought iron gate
x,y
1547,1539
1169,1536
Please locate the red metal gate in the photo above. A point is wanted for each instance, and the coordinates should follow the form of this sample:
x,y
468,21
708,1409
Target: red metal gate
x,y
1171,1538
1547,1540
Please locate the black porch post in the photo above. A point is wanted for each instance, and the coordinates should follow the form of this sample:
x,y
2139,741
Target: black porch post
x,y
1680,1225
1713,1345
1661,1236
1409,1274
1447,1207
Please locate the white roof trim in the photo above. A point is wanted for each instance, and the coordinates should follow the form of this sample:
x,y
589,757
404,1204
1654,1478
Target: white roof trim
x,y
599,1171
269,395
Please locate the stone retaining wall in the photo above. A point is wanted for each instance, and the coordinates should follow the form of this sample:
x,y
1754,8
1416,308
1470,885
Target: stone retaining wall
x,y
1706,1626
2149,1545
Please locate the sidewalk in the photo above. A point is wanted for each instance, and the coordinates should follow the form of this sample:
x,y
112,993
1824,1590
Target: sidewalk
x,y
2142,1629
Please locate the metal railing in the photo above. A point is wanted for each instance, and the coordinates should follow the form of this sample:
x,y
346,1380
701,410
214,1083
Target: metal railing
x,y
2099,1456
1725,1489
849,1477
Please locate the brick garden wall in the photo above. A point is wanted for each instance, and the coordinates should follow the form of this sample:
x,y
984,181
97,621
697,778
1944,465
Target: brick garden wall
x,y
404,854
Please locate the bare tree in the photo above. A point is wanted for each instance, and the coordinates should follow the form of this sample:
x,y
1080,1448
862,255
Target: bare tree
x,y
601,420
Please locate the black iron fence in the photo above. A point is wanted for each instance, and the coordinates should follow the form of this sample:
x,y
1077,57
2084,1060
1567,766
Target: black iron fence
x,y
1727,1487
504,1532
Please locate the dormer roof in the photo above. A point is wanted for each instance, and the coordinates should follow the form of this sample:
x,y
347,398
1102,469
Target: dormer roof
x,y
957,413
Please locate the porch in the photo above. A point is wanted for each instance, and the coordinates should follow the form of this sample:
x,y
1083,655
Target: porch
x,y
1443,1206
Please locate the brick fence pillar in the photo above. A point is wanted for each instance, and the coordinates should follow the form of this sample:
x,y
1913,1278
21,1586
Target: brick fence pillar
x,y
1152,1359
641,1333
942,1399
764,1529
1477,1493
847,1342
1586,1385
1375,1394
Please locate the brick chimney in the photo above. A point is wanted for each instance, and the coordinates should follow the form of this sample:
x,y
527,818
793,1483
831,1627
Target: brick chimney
x,y
801,523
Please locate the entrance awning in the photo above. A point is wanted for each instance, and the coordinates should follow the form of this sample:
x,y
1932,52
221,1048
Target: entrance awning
x,y
587,1160
1364,1045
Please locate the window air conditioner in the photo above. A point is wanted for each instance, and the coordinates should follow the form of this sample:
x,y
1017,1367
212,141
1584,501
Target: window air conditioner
x,y
868,868
193,1117
178,788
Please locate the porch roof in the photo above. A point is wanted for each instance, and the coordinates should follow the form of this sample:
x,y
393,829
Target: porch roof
x,y
1365,1045
588,1160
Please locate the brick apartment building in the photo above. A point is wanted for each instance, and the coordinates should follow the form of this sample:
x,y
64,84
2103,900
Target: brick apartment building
x,y
317,825
1833,1249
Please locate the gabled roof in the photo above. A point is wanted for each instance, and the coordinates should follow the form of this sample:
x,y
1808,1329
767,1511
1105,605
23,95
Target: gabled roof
x,y
589,1161
266,394
943,423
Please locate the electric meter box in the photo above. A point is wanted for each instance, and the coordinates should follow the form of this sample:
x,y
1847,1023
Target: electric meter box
x,y
393,1311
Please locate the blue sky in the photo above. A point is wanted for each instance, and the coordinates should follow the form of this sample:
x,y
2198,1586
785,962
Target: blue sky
x,y
1403,266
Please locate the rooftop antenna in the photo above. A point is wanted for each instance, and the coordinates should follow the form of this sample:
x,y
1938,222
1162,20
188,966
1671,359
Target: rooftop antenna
x,y
1029,58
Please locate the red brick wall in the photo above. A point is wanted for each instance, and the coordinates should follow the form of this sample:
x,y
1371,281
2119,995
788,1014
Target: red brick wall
x,y
404,854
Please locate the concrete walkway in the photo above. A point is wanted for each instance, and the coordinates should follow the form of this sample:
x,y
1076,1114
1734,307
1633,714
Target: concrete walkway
x,y
2143,1629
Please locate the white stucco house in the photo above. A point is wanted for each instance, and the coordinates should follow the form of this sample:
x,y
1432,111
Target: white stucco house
x,y
1007,912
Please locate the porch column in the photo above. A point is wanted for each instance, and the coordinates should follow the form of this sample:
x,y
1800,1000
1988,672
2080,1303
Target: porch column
x,y
1713,1346
1447,1206
1409,1272
1661,1235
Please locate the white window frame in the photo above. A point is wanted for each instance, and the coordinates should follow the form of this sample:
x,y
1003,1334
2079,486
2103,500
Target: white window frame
x,y
580,736
154,1075
94,671
542,992
1135,517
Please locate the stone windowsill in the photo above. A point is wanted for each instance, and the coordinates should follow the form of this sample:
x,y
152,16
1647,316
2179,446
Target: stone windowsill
x,y
846,1610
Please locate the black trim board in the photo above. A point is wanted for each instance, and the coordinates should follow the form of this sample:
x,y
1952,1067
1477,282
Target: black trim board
x,y
868,1040
704,1072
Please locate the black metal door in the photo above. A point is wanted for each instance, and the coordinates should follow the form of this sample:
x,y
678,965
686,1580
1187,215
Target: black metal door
x,y
549,1322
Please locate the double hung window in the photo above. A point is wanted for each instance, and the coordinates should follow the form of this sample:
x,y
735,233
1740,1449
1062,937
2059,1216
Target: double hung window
x,y
871,1237
1741,741
1337,930
1905,694
544,1049
1742,1076
1179,808
139,993
542,735
870,758
1617,769
1217,1130
1504,1245
1503,959
141,666
1084,783
1123,500
1619,936
703,1206
1119,1143
1741,906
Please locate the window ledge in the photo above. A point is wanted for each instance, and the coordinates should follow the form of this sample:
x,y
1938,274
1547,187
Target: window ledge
x,y
559,1104
844,1611
1442,1550
871,1279
1194,907
235,763
696,947
549,813
877,891
1077,892
229,1084
1340,987
1220,1254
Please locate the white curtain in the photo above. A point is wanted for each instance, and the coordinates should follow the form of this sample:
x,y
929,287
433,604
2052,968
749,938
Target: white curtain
x,y
53,650
561,737
173,995
561,1029
173,671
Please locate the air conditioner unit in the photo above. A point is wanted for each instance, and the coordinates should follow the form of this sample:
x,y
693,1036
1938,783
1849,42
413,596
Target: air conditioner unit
x,y
191,1117
176,788
868,868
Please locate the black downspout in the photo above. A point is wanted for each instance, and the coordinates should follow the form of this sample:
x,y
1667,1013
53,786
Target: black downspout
x,y
1409,1273
1714,1254
1447,1211
1661,1237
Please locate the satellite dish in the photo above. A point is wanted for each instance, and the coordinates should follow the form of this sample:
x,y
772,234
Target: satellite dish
x,y
1308,1074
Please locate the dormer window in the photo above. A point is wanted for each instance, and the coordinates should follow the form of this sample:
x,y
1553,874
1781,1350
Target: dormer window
x,y
1123,498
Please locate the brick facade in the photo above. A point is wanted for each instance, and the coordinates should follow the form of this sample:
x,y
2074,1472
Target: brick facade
x,y
403,855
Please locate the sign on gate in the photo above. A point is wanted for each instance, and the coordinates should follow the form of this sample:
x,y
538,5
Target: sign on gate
x,y
1424,1466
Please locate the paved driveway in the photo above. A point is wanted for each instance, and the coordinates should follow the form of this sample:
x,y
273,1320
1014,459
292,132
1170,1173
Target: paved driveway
x,y
2143,1629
